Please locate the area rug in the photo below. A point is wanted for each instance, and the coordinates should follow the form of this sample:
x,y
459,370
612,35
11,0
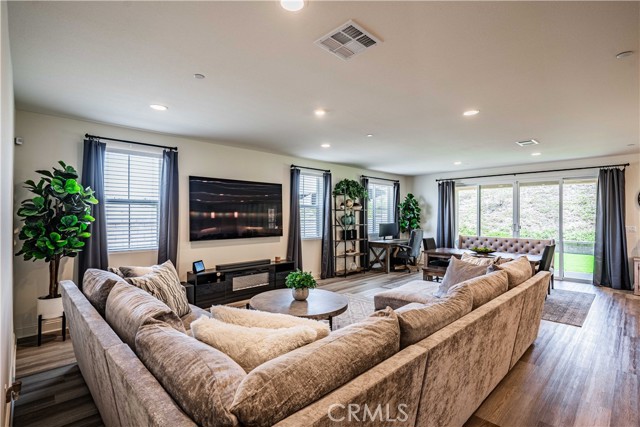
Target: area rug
x,y
359,308
568,307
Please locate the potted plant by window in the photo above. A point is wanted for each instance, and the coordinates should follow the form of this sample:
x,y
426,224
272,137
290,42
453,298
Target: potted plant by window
x,y
300,282
56,221
352,190
409,214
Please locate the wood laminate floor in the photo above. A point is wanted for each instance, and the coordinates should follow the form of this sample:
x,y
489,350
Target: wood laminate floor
x,y
571,376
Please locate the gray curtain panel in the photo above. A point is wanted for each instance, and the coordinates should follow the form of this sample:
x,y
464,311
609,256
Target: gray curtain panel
x,y
396,198
294,247
445,233
95,253
365,230
328,261
169,191
611,261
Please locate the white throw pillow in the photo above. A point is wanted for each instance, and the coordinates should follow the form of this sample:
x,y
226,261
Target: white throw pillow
x,y
262,319
250,347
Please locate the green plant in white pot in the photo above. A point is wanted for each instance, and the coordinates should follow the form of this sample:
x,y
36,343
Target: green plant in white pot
x,y
300,282
56,221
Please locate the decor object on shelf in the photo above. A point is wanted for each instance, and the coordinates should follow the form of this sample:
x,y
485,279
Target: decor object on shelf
x,y
300,282
409,214
56,221
348,219
351,189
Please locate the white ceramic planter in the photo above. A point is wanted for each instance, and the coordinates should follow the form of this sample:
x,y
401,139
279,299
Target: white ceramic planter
x,y
49,308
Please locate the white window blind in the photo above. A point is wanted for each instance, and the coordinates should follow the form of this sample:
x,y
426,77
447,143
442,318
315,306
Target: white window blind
x,y
311,192
380,205
132,192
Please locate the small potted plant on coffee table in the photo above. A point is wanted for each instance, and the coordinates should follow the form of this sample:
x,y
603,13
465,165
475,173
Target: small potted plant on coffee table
x,y
300,282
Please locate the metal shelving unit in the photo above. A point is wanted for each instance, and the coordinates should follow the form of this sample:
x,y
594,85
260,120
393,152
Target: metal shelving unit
x,y
349,253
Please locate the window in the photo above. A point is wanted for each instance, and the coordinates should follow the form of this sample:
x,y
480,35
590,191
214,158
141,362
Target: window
x,y
311,193
381,209
132,193
467,210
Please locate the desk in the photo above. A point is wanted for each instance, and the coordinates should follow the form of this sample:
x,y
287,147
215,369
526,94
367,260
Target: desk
x,y
428,272
381,248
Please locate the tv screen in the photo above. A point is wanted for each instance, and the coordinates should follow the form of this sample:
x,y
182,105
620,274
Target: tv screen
x,y
230,209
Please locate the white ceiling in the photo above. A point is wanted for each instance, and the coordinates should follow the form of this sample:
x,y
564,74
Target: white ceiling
x,y
543,70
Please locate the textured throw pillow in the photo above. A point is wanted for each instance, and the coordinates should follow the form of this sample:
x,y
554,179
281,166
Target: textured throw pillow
x,y
458,271
116,271
284,385
96,286
485,261
250,347
262,319
483,288
163,283
201,379
135,271
129,307
519,271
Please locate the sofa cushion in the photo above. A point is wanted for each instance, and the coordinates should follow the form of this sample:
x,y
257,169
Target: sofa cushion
x,y
262,319
418,321
419,291
96,286
294,380
163,283
457,272
477,260
519,271
196,313
484,288
129,307
250,347
201,379
135,271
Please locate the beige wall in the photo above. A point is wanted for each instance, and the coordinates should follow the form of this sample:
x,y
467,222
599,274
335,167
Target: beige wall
x,y
6,215
48,139
426,188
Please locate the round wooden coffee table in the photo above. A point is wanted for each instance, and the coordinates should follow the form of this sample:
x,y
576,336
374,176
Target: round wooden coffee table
x,y
320,305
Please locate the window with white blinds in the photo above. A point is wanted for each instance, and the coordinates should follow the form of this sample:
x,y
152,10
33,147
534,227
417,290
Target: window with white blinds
x,y
380,205
311,193
132,192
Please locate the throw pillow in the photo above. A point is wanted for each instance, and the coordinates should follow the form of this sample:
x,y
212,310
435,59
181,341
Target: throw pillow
x,y
96,286
163,283
116,271
135,271
485,261
282,386
458,271
201,379
483,288
519,271
262,319
250,347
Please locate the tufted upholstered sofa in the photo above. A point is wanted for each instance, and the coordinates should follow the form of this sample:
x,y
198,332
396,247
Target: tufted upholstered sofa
x,y
521,245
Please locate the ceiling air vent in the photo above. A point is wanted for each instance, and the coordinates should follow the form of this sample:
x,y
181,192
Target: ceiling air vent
x,y
527,143
347,41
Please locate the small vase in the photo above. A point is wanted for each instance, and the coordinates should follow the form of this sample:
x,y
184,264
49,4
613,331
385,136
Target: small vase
x,y
300,294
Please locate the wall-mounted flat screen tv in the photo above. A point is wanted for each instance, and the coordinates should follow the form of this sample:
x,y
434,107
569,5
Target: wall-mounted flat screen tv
x,y
230,209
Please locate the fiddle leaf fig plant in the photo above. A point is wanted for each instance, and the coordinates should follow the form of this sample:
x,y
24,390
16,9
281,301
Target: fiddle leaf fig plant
x,y
409,213
56,220
351,188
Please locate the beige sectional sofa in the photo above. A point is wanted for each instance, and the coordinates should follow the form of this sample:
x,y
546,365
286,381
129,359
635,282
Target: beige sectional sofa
x,y
436,380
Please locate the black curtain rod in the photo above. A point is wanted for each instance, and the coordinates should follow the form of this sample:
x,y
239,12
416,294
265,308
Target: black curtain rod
x,y
313,169
381,179
86,135
526,173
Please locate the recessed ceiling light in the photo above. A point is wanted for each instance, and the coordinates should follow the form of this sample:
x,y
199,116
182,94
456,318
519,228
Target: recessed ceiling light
x,y
320,112
536,154
369,135
624,54
457,163
325,145
198,76
292,5
471,113
159,107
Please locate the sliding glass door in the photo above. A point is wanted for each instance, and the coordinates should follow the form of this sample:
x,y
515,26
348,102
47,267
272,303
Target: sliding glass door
x,y
496,210
579,228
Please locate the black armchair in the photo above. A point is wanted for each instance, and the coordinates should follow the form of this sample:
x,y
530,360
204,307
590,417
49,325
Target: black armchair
x,y
546,262
409,254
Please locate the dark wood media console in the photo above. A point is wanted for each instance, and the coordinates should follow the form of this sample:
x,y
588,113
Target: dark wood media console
x,y
233,283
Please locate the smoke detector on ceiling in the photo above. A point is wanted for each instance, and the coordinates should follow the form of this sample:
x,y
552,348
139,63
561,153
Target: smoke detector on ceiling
x,y
527,143
347,41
